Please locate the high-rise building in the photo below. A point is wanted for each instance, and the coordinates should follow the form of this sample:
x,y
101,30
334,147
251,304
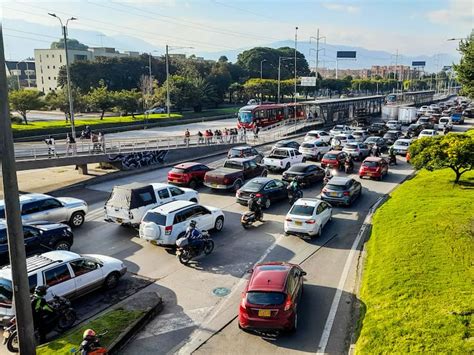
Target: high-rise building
x,y
23,71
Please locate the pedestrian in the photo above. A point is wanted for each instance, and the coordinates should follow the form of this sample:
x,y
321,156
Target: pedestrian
x,y
50,142
211,135
255,132
187,137
200,137
101,140
226,135
245,134
70,145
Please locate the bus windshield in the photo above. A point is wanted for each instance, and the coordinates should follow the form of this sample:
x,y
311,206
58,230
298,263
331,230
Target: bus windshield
x,y
245,116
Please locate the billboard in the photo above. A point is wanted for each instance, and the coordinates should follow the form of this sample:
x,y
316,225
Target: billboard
x,y
308,81
418,64
346,55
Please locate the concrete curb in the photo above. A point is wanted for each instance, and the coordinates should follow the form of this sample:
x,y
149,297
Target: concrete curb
x,y
366,230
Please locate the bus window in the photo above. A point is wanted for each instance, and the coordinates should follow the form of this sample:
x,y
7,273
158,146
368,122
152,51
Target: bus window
x,y
245,117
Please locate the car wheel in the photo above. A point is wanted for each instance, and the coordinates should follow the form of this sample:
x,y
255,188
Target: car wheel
x,y
193,200
111,281
192,184
287,166
219,224
294,326
237,185
267,203
303,160
319,157
318,235
62,245
264,173
77,219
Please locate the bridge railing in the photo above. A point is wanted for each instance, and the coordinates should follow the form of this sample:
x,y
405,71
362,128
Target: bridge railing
x,y
25,151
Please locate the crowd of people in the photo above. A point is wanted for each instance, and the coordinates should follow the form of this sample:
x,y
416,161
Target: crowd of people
x,y
227,135
97,141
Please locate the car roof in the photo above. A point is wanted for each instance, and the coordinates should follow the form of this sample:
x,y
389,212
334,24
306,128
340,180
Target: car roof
x,y
403,140
242,147
285,148
29,198
172,206
339,180
241,160
262,180
316,131
187,165
269,276
308,202
335,152
300,165
375,159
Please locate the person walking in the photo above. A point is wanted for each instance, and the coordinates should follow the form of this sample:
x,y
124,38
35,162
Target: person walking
x,y
187,137
255,132
101,140
200,138
50,142
70,145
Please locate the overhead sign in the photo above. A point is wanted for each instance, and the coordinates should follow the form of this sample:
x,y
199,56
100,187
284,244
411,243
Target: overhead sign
x,y
308,81
346,55
418,64
447,67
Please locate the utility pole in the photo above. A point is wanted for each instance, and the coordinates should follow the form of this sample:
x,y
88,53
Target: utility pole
x,y
396,68
296,43
167,83
318,38
16,243
261,68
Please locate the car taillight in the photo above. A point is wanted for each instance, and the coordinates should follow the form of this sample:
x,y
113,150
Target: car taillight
x,y
288,303
258,195
324,190
226,181
243,303
168,230
310,221
346,193
130,215
281,163
288,220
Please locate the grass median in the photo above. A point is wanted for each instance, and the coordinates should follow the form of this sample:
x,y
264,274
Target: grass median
x,y
417,293
114,322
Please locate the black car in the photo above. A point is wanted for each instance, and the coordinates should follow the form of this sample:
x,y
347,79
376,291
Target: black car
x,y
377,129
468,112
425,123
287,144
414,130
268,189
381,143
310,173
391,136
39,238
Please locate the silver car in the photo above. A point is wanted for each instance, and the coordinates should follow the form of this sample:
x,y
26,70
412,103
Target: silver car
x,y
39,207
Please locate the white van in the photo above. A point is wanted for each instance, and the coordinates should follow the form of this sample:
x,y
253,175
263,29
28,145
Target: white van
x,y
128,204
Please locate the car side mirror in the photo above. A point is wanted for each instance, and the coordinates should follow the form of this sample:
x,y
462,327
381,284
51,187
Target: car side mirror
x,y
249,271
304,273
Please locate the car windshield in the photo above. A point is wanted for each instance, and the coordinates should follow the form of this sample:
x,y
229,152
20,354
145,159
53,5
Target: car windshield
x,y
235,152
341,137
370,164
372,139
253,186
351,146
312,135
6,291
307,145
298,168
335,187
155,217
265,298
178,170
390,135
330,156
245,116
338,128
302,210
401,143
357,134
233,165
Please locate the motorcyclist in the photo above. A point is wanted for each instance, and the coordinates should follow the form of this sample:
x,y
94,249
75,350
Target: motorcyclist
x,y
255,205
295,186
350,161
90,341
193,234
391,155
327,175
42,311
375,151
446,129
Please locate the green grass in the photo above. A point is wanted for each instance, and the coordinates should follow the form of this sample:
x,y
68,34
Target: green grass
x,y
114,120
114,321
417,288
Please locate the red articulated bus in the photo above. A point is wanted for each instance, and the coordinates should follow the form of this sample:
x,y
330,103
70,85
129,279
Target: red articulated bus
x,y
251,116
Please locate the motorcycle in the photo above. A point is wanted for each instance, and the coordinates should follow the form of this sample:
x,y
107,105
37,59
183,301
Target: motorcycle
x,y
293,195
185,252
96,345
63,318
348,167
248,218
392,160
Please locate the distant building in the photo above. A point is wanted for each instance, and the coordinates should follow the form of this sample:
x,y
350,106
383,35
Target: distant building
x,y
49,61
404,72
24,71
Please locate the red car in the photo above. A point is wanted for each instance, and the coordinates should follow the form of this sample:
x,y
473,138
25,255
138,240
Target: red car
x,y
374,167
334,159
188,174
270,299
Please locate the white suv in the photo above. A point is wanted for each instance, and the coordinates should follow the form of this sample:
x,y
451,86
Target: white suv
x,y
67,274
166,223
314,149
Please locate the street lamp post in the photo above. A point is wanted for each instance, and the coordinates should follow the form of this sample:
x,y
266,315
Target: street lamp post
x,y
261,68
168,102
296,42
279,74
68,75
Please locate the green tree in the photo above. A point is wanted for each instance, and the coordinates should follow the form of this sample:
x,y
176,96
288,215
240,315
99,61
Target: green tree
x,y
59,99
127,101
24,101
454,151
465,68
71,44
100,99
202,93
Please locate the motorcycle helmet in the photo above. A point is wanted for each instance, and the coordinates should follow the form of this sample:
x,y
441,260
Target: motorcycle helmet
x,y
41,290
88,334
192,224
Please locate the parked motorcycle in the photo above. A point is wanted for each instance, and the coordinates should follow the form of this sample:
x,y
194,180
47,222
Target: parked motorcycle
x,y
63,318
248,218
186,252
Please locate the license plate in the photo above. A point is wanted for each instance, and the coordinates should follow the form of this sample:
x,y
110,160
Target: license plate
x,y
264,312
333,194
298,223
214,185
119,220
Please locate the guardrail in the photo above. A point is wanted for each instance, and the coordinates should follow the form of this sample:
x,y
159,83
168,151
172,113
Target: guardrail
x,y
25,151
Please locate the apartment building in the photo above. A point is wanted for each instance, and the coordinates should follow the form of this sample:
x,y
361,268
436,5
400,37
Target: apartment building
x,y
24,72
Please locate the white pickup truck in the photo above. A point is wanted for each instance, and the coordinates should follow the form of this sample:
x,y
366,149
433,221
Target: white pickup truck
x,y
283,158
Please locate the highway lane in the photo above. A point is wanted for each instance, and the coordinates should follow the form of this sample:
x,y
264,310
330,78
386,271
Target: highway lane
x,y
190,305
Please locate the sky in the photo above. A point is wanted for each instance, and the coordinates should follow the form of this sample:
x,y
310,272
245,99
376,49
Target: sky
x,y
413,27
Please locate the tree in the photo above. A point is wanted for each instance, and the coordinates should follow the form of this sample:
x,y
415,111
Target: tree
x,y
204,93
465,68
454,151
127,101
24,101
71,44
60,100
12,83
100,99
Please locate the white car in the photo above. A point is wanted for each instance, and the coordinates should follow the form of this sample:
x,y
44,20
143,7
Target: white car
x,y
423,109
341,139
394,125
401,146
314,149
307,217
360,135
340,129
445,122
66,274
128,203
428,133
165,224
321,135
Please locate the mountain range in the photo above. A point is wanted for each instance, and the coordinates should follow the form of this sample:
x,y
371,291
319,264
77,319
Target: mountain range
x,y
22,37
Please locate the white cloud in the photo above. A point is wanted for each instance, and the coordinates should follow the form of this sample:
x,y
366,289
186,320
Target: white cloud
x,y
341,7
458,11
